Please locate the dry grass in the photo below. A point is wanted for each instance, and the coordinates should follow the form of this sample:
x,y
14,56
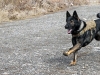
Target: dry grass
x,y
21,9
80,2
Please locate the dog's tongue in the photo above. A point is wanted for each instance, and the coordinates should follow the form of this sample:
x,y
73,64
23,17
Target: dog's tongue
x,y
69,31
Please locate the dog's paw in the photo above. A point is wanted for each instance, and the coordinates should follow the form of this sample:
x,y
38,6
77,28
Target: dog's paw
x,y
73,63
66,53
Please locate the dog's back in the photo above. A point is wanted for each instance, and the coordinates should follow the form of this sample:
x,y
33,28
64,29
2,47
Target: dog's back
x,y
98,15
98,22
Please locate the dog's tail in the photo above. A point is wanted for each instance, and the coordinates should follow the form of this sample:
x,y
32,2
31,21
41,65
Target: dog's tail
x,y
98,15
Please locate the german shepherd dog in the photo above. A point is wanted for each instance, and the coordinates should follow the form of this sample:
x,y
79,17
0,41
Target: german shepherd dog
x,y
82,33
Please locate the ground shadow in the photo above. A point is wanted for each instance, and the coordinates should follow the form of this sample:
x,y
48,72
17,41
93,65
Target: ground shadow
x,y
59,62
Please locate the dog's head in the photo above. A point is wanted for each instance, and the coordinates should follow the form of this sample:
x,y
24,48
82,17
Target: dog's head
x,y
72,22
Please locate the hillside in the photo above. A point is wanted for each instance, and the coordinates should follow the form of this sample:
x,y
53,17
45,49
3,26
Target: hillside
x,y
22,9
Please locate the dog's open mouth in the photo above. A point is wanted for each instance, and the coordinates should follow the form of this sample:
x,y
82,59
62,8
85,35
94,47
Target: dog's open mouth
x,y
69,31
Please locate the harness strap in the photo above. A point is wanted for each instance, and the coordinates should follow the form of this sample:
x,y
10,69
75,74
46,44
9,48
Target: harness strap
x,y
89,25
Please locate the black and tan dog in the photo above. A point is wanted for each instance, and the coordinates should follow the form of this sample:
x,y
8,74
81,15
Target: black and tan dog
x,y
82,33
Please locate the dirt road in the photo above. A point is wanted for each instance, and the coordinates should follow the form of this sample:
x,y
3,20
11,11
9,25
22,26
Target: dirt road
x,y
35,46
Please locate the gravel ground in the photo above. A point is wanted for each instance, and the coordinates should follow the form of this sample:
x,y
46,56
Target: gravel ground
x,y
35,46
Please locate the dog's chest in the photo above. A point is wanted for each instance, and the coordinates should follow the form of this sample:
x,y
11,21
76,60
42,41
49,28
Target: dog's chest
x,y
86,37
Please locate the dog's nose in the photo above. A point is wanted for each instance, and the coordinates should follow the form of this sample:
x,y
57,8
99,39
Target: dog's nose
x,y
66,27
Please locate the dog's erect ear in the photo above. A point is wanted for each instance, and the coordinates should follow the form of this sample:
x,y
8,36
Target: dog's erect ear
x,y
67,15
75,15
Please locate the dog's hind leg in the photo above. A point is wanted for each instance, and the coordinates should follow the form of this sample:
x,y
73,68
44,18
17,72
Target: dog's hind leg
x,y
97,37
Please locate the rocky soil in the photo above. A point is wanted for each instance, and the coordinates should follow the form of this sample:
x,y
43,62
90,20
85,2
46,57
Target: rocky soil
x,y
35,46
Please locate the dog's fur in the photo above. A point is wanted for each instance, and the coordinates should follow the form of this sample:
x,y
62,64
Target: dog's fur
x,y
82,33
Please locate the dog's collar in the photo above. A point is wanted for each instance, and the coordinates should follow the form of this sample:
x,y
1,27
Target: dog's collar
x,y
89,25
81,26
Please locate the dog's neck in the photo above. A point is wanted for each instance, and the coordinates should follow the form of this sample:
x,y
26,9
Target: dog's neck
x,y
82,26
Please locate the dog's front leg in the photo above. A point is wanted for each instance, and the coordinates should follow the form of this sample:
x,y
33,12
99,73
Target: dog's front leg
x,y
73,62
73,49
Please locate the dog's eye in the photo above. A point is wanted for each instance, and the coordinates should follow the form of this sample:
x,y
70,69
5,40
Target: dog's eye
x,y
72,22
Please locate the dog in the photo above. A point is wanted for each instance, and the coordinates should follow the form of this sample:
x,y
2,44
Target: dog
x,y
82,33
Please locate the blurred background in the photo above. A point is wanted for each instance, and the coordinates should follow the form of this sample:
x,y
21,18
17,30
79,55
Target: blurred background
x,y
22,9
